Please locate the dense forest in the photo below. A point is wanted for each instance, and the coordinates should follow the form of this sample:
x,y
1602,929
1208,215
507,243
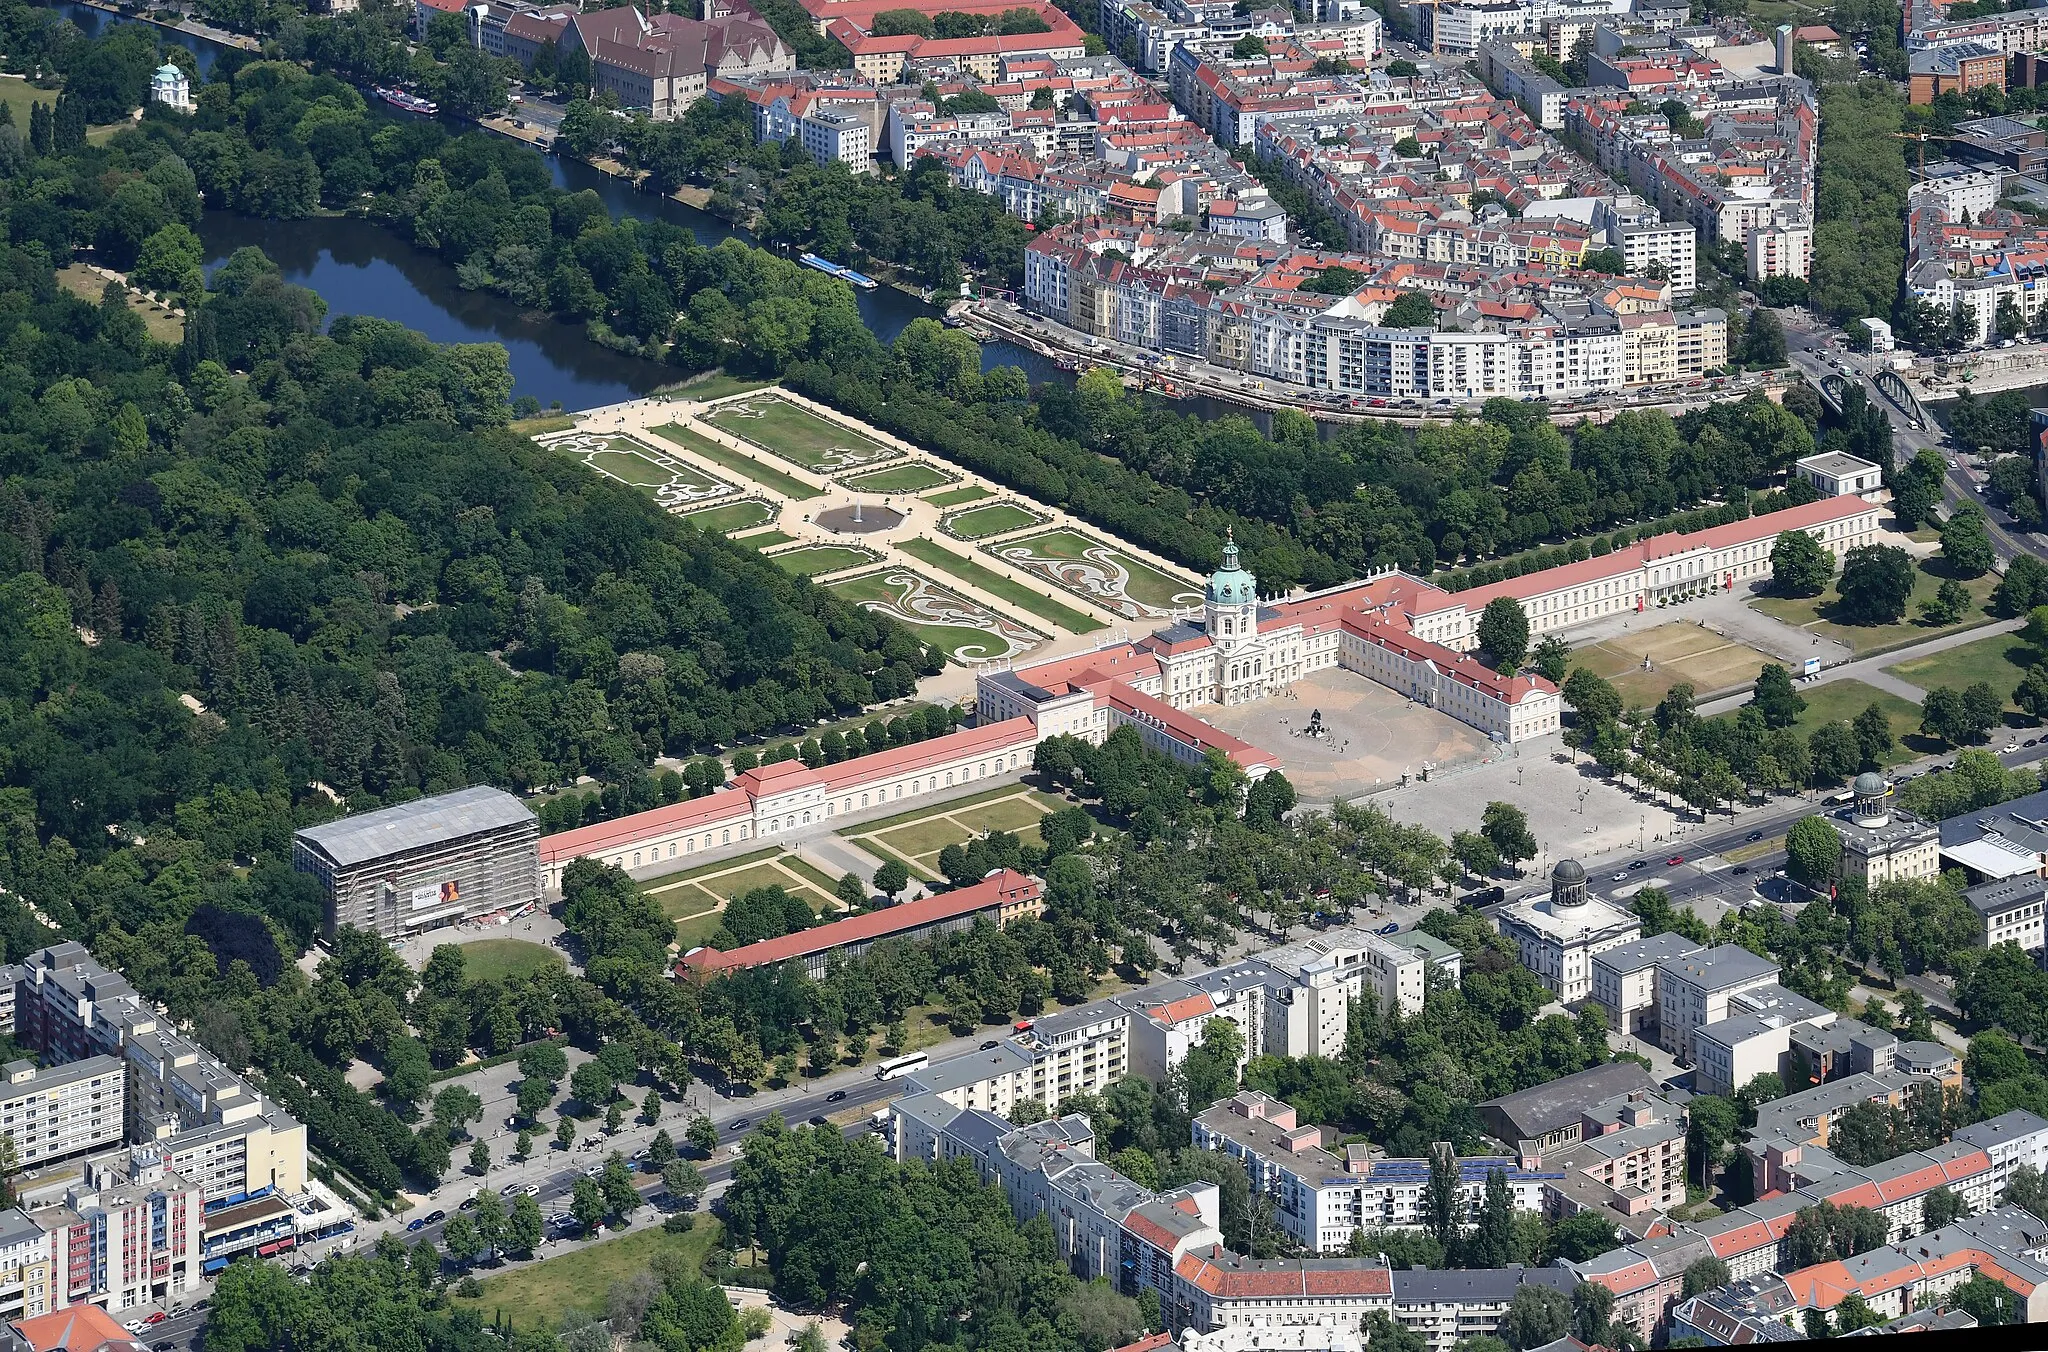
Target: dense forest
x,y
272,140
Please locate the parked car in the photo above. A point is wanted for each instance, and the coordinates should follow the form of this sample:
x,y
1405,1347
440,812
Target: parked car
x,y
159,1317
436,1216
990,1045
820,1122
416,1223
1391,927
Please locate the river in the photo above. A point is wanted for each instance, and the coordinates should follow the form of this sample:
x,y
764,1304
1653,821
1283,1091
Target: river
x,y
362,268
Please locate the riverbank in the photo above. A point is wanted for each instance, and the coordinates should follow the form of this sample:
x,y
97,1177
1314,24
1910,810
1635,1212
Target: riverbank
x,y
189,27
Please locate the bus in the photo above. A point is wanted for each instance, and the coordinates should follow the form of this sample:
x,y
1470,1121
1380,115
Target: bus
x,y
898,1066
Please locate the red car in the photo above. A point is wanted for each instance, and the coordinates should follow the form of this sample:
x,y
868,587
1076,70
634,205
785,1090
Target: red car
x,y
159,1317
1675,859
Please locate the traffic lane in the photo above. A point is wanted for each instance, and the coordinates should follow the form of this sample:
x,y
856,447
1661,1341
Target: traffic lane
x,y
177,1332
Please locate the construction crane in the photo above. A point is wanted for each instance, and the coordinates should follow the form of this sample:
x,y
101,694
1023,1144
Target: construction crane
x,y
1923,137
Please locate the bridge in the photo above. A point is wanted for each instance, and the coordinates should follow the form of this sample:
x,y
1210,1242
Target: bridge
x,y
1834,387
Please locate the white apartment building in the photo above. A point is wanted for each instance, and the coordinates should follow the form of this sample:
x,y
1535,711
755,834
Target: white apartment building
x,y
1694,991
1961,190
1558,936
2010,912
1781,248
832,137
2011,1140
63,1111
1625,980
1332,969
1320,1199
1669,245
1834,473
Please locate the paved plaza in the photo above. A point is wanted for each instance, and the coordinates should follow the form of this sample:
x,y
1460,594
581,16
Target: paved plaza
x,y
1374,735
1573,813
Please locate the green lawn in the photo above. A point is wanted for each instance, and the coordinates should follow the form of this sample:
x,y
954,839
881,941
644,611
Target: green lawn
x,y
1086,566
497,959
717,385
704,870
822,559
1841,701
911,477
742,515
766,539
997,518
995,584
743,465
2001,659
953,497
798,435
1816,615
547,422
581,1274
19,94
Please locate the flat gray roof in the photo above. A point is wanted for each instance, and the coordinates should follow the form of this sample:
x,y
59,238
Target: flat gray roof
x,y
416,825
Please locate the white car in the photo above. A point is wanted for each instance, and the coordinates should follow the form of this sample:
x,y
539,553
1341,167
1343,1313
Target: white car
x,y
1621,877
135,1326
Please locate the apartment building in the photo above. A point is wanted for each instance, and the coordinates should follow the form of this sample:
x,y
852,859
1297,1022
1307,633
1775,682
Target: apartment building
x,y
1694,991
199,1120
1625,980
1321,1200
62,1111
2010,912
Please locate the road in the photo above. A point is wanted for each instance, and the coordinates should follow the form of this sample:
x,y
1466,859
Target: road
x,y
1814,350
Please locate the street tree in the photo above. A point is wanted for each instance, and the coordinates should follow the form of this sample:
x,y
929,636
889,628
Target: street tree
x,y
682,1179
1506,828
586,1203
460,1238
1966,542
1775,698
1813,852
456,1107
616,1182
523,1228
565,1132
702,1135
480,1158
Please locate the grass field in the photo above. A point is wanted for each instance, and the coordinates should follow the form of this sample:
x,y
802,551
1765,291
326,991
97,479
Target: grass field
x,y
88,285
1841,701
998,518
913,476
744,466
742,515
496,959
2001,659
766,539
694,896
19,95
717,385
538,1295
798,435
541,426
670,480
1818,614
953,497
917,838
818,559
964,630
1678,652
1107,576
995,584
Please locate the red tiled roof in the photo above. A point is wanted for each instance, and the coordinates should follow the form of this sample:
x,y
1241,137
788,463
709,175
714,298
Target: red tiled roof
x,y
1005,888
661,821
1180,1011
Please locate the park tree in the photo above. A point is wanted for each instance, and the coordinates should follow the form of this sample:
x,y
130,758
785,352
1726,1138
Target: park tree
x,y
1875,585
1950,603
543,1061
1916,488
851,891
1966,542
1552,658
456,1107
1504,633
1813,852
1593,699
1775,698
2024,586
565,1132
1960,717
593,1086
1800,565
1506,828
1474,853
1874,741
480,1158
533,1096
1833,753
891,878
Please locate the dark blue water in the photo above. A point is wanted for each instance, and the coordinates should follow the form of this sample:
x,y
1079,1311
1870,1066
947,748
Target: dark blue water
x,y
91,21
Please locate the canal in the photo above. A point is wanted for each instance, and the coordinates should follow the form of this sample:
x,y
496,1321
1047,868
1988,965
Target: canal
x,y
364,269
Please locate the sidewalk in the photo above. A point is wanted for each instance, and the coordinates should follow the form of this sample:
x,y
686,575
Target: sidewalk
x,y
1870,670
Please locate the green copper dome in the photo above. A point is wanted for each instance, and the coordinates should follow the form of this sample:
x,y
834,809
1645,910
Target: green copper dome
x,y
1231,585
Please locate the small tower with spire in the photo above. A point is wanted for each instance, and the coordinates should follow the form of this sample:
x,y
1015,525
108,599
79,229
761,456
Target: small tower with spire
x,y
1230,607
